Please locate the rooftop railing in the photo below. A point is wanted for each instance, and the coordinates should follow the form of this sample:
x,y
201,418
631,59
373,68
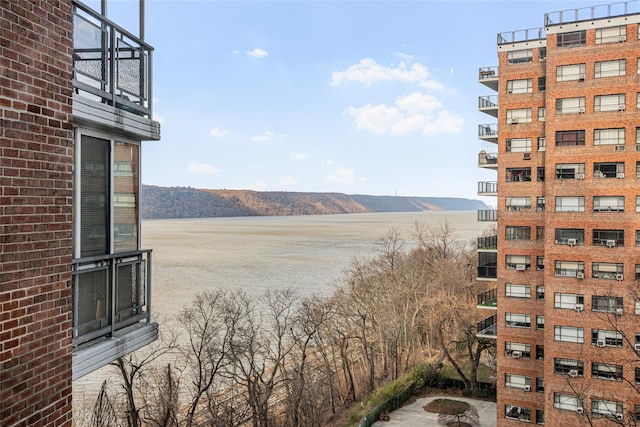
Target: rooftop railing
x,y
110,64
530,34
590,13
110,293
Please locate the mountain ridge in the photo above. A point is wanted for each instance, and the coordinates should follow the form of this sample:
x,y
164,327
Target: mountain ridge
x,y
186,202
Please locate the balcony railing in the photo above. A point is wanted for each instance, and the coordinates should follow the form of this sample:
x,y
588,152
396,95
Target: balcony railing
x,y
487,187
487,328
488,131
488,102
590,13
487,215
110,65
488,299
486,73
488,242
517,36
487,160
487,272
110,293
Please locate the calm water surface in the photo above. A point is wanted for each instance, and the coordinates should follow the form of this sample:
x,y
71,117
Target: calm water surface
x,y
306,253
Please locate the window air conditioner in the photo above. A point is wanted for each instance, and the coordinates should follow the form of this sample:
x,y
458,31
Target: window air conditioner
x,y
514,121
573,373
619,147
600,343
516,354
611,243
620,175
581,77
580,275
578,307
636,347
527,388
619,311
581,110
619,277
621,107
520,267
580,409
580,176
623,38
572,242
526,156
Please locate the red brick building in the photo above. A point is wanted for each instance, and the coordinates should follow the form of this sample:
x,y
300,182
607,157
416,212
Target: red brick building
x,y
75,105
566,150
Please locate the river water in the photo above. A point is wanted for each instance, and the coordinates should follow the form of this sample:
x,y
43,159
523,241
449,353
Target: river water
x,y
306,253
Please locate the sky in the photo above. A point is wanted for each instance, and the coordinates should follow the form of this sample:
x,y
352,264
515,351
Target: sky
x,y
356,97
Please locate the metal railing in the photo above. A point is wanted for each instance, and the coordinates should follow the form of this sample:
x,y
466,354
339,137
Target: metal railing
x,y
487,272
487,215
485,73
486,296
488,242
590,13
517,36
488,131
488,325
488,101
487,187
110,65
110,292
485,158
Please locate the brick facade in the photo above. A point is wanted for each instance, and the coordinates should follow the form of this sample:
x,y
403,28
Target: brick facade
x,y
36,153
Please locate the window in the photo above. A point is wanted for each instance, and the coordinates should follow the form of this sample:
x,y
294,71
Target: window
x,y
569,269
566,73
539,232
540,322
517,233
609,238
637,169
540,263
518,174
517,381
540,352
608,170
520,86
606,408
608,203
605,371
606,304
542,143
637,237
611,34
609,136
638,100
637,278
540,292
540,385
572,39
637,203
570,204
518,291
542,53
540,174
519,145
540,416
610,68
519,56
522,350
540,203
565,366
516,320
542,85
566,401
518,203
570,105
567,301
517,413
609,103
569,236
637,376
568,334
569,170
522,115
567,138
607,270
604,338
518,261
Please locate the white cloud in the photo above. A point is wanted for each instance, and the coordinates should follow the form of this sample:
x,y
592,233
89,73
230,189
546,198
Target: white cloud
x,y
288,181
368,71
416,112
235,52
327,162
219,133
257,53
341,176
266,136
298,156
257,186
196,167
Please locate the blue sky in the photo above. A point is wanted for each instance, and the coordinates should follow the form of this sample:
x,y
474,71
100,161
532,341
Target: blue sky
x,y
355,97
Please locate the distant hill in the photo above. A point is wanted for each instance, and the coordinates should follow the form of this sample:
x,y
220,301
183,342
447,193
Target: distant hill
x,y
186,202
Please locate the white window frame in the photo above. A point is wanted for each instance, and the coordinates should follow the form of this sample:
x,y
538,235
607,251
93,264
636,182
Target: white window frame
x,y
567,301
569,204
565,73
517,291
517,381
615,68
519,145
570,105
512,260
571,334
520,86
517,320
615,102
568,268
606,408
611,34
608,203
519,56
510,347
615,136
566,401
519,115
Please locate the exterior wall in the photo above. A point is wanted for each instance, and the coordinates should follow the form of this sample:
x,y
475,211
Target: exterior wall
x,y
35,212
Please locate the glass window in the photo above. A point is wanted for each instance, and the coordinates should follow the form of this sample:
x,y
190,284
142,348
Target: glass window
x,y
572,39
604,338
610,238
570,72
539,263
519,56
607,270
606,371
94,196
568,301
540,416
566,138
540,352
608,203
518,262
540,203
518,291
516,320
540,292
540,322
542,84
569,236
570,171
610,68
611,34
518,233
519,145
517,413
539,232
569,269
637,278
521,350
567,402
540,170
608,170
566,366
606,304
609,136
522,115
570,105
518,203
568,334
518,174
542,143
609,102
520,86
606,408
540,385
517,381
570,204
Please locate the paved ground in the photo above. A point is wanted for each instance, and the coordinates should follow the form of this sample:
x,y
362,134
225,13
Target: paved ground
x,y
414,416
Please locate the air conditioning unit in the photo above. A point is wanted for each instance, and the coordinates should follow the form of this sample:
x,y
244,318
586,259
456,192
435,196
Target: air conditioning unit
x,y
620,175
527,388
580,275
526,156
611,243
623,38
619,277
581,110
619,417
636,346
621,107
578,307
619,311
580,409
572,242
509,91
580,176
581,78
619,147
521,267
601,343
516,354
573,373
514,121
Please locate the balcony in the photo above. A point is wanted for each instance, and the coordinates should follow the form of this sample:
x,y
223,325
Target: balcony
x,y
487,215
488,299
488,104
111,308
488,242
112,76
487,160
487,328
527,35
488,132
487,272
487,188
488,76
590,13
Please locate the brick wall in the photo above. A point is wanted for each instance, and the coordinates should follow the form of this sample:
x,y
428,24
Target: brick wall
x,y
35,212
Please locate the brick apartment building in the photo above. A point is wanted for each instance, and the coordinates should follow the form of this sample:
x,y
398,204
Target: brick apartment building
x,y
566,258
75,105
